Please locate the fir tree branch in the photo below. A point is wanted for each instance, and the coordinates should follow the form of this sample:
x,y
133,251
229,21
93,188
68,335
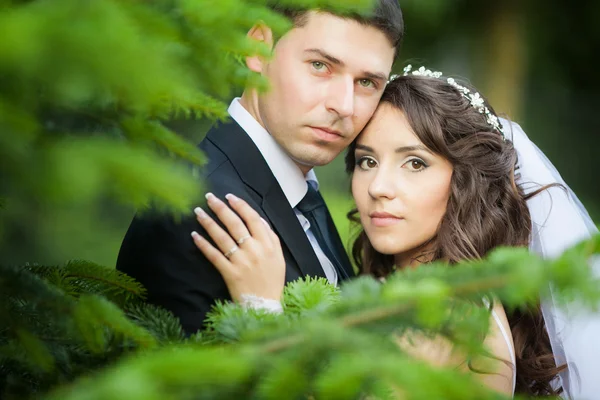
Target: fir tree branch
x,y
466,289
112,278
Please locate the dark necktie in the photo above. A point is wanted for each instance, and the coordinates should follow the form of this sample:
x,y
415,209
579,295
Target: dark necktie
x,y
314,210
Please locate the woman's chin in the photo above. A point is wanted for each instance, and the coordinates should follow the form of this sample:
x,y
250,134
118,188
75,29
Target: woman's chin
x,y
391,248
386,248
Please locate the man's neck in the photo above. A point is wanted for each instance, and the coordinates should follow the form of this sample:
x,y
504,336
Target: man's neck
x,y
249,100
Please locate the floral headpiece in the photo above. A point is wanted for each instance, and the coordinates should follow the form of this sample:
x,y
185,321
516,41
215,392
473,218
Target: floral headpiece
x,y
474,98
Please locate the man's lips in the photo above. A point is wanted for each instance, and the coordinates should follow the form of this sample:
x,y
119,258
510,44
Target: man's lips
x,y
327,133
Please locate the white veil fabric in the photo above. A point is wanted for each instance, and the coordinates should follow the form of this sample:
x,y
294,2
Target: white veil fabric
x,y
560,221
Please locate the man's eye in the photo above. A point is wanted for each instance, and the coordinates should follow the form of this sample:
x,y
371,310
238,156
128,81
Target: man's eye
x,y
366,83
318,65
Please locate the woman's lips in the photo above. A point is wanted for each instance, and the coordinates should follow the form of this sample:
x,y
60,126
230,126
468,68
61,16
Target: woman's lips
x,y
384,219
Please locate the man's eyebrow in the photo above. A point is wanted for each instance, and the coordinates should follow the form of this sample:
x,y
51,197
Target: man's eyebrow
x,y
334,60
375,76
327,56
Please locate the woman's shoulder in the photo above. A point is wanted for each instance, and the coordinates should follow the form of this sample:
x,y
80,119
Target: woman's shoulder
x,y
500,368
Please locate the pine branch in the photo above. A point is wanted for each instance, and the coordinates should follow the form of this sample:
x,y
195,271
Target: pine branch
x,y
48,337
138,129
94,314
112,284
434,286
197,105
353,330
307,295
135,175
84,277
163,325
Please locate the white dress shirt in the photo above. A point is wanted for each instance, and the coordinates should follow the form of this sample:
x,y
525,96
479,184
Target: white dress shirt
x,y
290,178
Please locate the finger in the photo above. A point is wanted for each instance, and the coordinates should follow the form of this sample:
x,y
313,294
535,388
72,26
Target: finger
x,y
257,226
213,255
234,224
274,236
221,238
265,222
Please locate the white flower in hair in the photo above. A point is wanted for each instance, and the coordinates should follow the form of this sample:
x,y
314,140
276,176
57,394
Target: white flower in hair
x,y
392,77
422,72
461,89
474,98
493,120
477,102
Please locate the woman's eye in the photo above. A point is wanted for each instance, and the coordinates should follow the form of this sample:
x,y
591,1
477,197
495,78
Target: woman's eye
x,y
366,163
416,165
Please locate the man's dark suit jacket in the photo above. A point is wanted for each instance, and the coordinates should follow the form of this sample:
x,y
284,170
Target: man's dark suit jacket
x,y
158,251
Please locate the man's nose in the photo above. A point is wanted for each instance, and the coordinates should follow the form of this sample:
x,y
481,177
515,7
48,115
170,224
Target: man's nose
x,y
340,98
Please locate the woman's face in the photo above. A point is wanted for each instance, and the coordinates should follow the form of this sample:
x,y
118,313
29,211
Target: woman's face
x,y
400,187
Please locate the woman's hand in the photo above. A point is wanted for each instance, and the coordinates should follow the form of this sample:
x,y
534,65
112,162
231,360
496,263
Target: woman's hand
x,y
249,255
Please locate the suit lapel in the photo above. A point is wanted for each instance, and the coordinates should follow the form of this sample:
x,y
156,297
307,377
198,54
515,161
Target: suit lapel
x,y
249,163
290,231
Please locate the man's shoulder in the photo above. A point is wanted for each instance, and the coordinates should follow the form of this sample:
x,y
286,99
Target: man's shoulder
x,y
217,159
233,158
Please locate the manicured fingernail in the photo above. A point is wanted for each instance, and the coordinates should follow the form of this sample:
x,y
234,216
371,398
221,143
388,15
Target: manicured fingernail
x,y
200,212
232,198
195,235
209,196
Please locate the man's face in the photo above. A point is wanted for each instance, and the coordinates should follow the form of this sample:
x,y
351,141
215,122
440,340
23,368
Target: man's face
x,y
326,80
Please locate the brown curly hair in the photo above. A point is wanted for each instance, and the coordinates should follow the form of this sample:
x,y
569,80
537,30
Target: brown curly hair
x,y
486,207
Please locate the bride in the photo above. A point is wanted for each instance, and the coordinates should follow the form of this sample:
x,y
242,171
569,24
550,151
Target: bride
x,y
434,177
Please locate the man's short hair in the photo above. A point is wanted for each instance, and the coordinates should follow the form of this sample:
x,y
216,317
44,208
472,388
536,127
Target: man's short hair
x,y
386,16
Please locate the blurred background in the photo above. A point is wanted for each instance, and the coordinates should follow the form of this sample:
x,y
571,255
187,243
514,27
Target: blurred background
x,y
532,59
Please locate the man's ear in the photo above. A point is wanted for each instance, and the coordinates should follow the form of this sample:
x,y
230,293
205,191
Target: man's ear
x,y
260,33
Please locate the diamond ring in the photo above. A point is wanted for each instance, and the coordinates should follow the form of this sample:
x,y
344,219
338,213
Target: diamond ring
x,y
230,252
241,240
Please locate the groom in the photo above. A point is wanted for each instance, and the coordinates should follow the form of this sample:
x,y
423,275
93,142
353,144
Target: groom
x,y
327,75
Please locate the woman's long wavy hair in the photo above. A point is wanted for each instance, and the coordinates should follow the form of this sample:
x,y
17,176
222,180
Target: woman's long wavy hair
x,y
486,207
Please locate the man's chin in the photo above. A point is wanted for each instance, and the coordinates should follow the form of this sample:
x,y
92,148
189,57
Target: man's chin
x,y
308,162
314,156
